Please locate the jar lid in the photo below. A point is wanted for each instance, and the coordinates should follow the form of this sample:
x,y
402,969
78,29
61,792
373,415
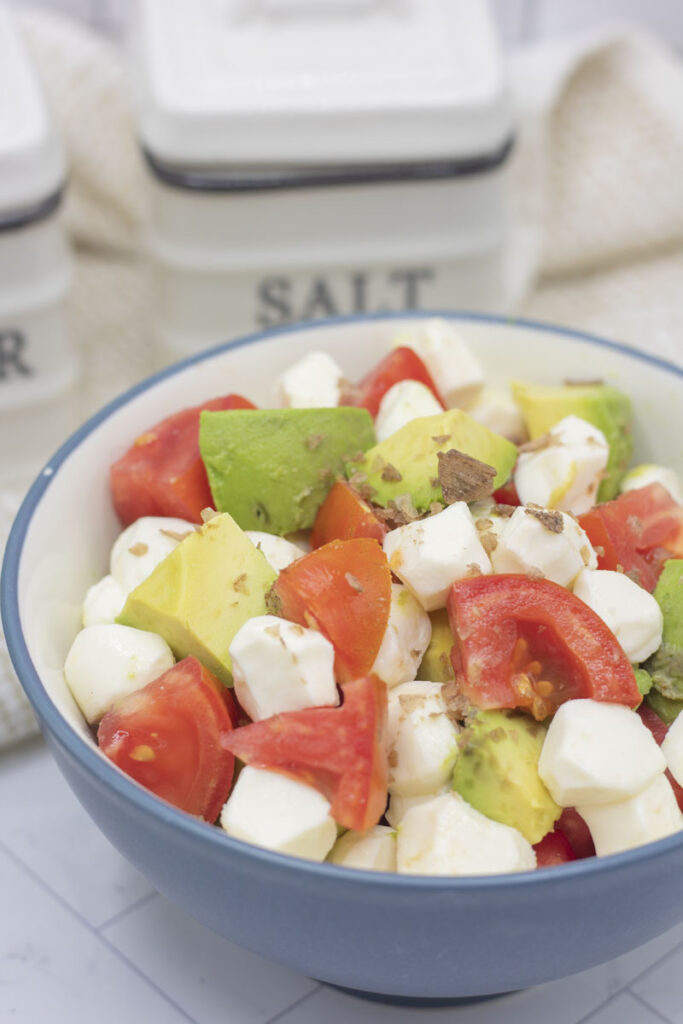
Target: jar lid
x,y
32,166
318,82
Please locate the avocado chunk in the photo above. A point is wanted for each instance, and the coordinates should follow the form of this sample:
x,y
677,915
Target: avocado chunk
x,y
436,665
497,772
667,709
202,592
271,469
604,406
407,461
643,680
666,664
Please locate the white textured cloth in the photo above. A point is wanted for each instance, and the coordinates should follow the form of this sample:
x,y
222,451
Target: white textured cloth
x,y
597,197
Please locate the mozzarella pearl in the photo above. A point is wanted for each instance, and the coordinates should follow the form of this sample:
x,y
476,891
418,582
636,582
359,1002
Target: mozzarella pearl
x,y
457,373
374,850
281,666
279,552
649,473
429,555
566,473
422,739
145,543
446,836
108,661
279,813
651,814
405,401
597,753
399,805
103,601
525,545
313,382
631,613
405,639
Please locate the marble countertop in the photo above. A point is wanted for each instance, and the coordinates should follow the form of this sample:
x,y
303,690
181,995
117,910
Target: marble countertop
x,y
83,936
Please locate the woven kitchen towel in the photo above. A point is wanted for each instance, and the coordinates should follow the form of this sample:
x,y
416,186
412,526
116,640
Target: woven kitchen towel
x,y
597,203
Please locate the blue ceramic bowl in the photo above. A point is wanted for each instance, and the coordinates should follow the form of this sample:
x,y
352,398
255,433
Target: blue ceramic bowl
x,y
394,935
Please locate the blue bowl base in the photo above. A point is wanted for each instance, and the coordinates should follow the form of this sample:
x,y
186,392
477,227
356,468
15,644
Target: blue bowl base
x,y
417,1002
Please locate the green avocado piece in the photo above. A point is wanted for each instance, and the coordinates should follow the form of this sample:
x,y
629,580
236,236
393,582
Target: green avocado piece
x,y
666,664
667,709
436,665
497,772
271,469
643,680
202,592
604,406
407,463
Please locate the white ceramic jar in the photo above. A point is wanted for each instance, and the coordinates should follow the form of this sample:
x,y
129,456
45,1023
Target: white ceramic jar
x,y
313,158
38,365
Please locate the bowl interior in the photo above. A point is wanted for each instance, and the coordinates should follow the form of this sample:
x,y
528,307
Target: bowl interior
x,y
64,533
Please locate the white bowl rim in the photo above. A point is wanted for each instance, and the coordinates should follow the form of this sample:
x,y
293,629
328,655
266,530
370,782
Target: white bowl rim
x,y
195,829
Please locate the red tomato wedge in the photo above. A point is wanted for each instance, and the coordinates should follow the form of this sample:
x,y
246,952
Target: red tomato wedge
x,y
530,643
341,752
659,729
344,515
169,736
400,364
507,494
554,849
574,828
343,589
162,473
638,531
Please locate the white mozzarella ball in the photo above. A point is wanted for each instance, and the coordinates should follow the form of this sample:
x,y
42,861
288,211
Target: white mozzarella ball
x,y
651,814
405,639
373,850
279,552
632,614
527,543
672,748
421,738
109,661
103,601
649,473
281,666
279,813
405,401
429,555
446,836
596,753
500,413
142,545
313,382
399,806
566,473
453,367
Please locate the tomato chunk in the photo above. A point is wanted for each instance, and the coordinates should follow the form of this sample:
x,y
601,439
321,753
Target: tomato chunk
x,y
341,751
162,473
637,531
659,729
344,515
400,364
169,735
553,849
343,589
573,826
530,643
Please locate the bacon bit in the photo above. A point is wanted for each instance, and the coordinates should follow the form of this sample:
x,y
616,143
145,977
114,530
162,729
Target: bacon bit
x,y
410,702
550,519
314,441
403,503
489,542
538,444
175,534
463,478
472,569
435,508
139,549
505,510
239,584
273,631
441,438
354,582
358,457
458,708
207,514
393,758
274,602
391,474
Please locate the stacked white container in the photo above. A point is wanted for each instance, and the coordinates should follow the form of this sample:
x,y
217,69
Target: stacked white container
x,y
38,366
313,158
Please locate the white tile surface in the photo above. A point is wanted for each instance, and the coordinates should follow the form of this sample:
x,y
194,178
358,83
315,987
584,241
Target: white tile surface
x,y
80,929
